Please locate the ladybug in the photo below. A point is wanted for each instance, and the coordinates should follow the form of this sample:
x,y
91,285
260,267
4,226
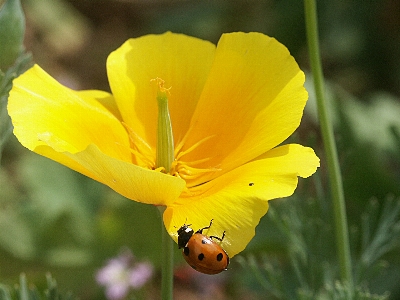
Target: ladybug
x,y
201,252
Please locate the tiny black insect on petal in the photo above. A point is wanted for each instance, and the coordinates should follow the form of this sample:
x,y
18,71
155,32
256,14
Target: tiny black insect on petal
x,y
201,256
220,256
251,183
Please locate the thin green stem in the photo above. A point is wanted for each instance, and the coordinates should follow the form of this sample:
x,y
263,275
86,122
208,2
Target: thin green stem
x,y
335,179
164,159
167,269
165,139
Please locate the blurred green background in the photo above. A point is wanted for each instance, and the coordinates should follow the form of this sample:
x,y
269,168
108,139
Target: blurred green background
x,y
53,219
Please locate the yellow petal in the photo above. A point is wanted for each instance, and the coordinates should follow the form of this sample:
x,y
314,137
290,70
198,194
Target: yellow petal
x,y
82,130
252,101
104,98
237,200
183,62
129,180
44,112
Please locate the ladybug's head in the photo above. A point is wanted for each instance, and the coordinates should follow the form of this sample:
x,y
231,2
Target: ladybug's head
x,y
184,235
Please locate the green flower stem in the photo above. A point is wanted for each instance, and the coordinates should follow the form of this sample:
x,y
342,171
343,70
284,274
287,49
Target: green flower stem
x,y
342,233
164,158
167,270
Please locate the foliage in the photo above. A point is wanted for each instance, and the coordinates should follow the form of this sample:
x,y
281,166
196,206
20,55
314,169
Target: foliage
x,y
25,292
308,268
21,64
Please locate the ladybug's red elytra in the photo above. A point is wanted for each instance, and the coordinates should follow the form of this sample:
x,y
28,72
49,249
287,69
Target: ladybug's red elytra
x,y
201,252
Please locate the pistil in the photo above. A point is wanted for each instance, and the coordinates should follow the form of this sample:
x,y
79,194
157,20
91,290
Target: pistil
x,y
165,139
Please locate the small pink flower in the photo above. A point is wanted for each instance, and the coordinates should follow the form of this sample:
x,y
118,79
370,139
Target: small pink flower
x,y
122,273
140,274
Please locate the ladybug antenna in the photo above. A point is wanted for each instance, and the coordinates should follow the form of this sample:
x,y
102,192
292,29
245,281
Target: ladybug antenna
x,y
184,224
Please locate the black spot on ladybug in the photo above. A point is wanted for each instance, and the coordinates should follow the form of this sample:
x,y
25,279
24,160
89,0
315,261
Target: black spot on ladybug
x,y
204,241
251,183
186,251
220,256
201,256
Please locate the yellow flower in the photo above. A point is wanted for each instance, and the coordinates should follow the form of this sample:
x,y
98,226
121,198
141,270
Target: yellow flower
x,y
230,106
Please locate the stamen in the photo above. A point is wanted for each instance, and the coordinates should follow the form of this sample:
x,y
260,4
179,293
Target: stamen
x,y
136,139
192,176
179,154
186,170
141,159
160,169
139,148
190,173
195,162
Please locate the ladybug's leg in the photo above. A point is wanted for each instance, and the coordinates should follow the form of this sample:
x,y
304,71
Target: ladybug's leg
x,y
218,238
201,230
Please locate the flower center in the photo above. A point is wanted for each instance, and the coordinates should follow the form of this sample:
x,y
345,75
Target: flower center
x,y
194,175
169,160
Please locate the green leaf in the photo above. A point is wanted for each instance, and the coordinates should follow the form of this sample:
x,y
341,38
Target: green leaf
x,y
23,62
23,289
4,292
12,29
